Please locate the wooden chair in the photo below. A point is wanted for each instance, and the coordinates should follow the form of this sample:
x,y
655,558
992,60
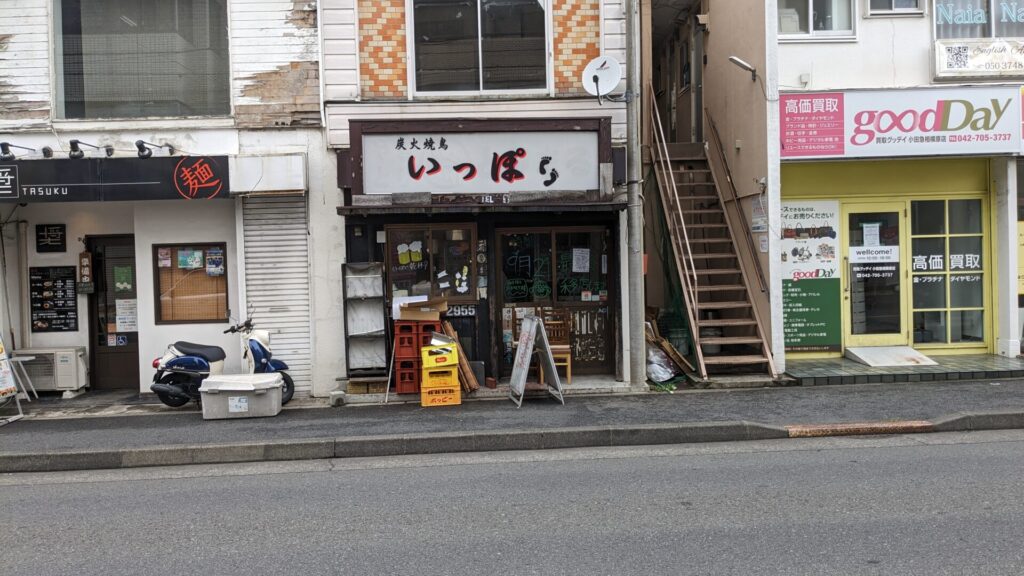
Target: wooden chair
x,y
557,324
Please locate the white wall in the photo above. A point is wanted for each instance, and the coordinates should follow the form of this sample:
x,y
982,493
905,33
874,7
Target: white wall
x,y
171,222
81,219
326,244
889,52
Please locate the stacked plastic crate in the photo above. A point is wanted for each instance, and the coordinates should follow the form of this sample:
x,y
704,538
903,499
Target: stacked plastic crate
x,y
410,337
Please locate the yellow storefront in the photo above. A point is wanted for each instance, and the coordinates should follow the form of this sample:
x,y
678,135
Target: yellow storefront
x,y
911,245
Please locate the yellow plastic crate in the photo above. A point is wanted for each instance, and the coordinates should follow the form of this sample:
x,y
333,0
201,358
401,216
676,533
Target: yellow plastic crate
x,y
438,377
441,396
439,356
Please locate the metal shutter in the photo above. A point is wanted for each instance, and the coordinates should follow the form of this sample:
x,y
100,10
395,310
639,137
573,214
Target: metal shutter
x,y
277,279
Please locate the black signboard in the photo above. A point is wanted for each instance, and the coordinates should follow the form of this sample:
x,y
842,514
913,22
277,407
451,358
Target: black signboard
x,y
112,179
53,299
51,238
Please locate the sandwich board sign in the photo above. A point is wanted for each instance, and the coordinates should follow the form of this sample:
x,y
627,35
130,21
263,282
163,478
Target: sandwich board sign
x,y
532,335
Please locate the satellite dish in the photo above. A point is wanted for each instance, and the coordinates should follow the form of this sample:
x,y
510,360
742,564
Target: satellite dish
x,y
601,76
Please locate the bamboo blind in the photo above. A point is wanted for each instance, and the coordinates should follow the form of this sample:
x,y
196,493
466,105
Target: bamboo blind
x,y
191,295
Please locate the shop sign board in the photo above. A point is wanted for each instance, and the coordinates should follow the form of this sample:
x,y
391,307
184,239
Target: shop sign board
x,y
979,58
480,162
115,179
51,238
886,123
533,335
53,299
810,271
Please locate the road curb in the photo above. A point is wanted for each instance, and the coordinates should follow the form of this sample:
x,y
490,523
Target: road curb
x,y
390,445
485,441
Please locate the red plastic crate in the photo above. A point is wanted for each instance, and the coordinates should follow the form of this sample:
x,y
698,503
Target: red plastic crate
x,y
407,346
426,327
424,339
407,380
410,327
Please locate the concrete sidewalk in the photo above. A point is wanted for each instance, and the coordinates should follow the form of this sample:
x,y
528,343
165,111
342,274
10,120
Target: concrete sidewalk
x,y
690,416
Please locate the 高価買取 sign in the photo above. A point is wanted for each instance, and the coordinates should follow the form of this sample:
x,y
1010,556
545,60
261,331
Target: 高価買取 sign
x,y
885,123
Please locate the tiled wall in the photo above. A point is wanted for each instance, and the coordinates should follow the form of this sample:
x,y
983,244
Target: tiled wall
x,y
382,59
577,35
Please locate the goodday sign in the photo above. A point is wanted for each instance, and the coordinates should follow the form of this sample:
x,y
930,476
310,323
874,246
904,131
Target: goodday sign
x,y
884,123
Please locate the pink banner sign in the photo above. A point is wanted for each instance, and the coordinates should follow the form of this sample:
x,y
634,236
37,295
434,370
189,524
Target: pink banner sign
x,y
812,125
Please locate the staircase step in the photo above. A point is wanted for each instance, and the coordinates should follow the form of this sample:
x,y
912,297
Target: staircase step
x,y
699,197
722,225
685,170
723,305
735,360
710,240
704,211
730,340
727,322
712,255
722,288
685,149
716,271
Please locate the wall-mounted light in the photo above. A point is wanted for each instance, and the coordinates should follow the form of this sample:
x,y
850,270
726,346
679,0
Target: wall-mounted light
x,y
746,66
145,151
47,152
5,151
76,152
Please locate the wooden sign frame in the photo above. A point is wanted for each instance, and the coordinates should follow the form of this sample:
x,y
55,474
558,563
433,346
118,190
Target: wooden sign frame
x,y
532,335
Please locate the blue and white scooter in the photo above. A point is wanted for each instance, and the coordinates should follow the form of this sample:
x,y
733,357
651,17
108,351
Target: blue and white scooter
x,y
181,370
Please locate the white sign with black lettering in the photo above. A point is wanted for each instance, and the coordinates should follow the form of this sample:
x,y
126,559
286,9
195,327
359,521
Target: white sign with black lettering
x,y
869,254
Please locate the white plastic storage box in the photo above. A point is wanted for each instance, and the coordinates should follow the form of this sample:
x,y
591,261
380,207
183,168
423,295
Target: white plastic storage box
x,y
241,396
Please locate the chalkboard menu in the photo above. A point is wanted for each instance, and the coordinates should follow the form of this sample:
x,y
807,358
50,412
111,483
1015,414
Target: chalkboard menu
x,y
53,299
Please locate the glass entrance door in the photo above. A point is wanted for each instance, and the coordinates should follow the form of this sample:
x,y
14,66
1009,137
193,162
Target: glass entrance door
x,y
874,294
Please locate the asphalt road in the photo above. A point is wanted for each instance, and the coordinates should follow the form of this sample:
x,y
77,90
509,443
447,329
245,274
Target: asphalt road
x,y
925,504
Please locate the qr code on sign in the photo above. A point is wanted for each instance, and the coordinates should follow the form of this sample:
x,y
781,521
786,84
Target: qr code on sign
x,y
956,57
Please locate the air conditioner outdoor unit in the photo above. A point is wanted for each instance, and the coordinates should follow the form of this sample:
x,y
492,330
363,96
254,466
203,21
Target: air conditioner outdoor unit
x,y
56,369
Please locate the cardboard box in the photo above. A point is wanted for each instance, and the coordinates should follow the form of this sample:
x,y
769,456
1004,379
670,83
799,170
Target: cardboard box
x,y
428,310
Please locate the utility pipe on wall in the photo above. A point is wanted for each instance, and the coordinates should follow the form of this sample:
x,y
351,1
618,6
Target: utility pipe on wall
x,y
634,207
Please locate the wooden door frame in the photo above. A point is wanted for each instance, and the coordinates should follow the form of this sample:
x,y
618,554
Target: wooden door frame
x,y
91,302
612,302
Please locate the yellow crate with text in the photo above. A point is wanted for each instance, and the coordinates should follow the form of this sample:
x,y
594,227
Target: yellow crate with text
x,y
439,356
440,387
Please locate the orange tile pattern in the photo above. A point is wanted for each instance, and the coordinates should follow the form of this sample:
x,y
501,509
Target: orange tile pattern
x,y
382,57
577,38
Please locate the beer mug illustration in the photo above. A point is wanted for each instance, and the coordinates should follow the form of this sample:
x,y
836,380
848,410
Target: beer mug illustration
x,y
403,254
416,251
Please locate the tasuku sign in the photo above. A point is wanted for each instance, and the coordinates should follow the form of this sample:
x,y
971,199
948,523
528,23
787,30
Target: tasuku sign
x,y
874,123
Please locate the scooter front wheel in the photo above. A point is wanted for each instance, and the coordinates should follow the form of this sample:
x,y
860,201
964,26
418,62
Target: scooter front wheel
x,y
288,389
172,401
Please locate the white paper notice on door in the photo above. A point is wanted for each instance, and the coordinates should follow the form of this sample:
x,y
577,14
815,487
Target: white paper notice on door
x,y
127,311
580,260
871,233
869,254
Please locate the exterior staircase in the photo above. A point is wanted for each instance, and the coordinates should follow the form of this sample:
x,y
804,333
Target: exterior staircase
x,y
728,336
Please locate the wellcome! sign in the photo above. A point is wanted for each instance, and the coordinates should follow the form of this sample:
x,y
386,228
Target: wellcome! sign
x,y
877,123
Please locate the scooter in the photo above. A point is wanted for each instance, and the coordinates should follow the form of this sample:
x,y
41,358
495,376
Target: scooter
x,y
181,370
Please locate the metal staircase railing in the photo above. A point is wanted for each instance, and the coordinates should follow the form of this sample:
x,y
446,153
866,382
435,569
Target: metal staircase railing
x,y
737,215
676,225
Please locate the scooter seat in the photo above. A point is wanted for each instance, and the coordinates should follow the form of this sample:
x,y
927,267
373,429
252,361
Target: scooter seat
x,y
208,353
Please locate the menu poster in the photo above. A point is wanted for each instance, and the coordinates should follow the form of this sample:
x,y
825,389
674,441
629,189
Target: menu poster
x,y
53,299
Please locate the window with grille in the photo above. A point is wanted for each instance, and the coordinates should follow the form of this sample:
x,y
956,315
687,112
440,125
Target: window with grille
x,y
480,45
191,283
140,58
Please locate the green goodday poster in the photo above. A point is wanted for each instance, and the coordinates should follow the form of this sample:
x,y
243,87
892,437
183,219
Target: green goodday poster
x,y
811,302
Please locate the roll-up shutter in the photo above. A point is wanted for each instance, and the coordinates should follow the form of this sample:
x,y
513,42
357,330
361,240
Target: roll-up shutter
x,y
277,279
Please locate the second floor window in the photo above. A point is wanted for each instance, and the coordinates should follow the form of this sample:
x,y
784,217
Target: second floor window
x,y
978,19
480,45
142,58
815,18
